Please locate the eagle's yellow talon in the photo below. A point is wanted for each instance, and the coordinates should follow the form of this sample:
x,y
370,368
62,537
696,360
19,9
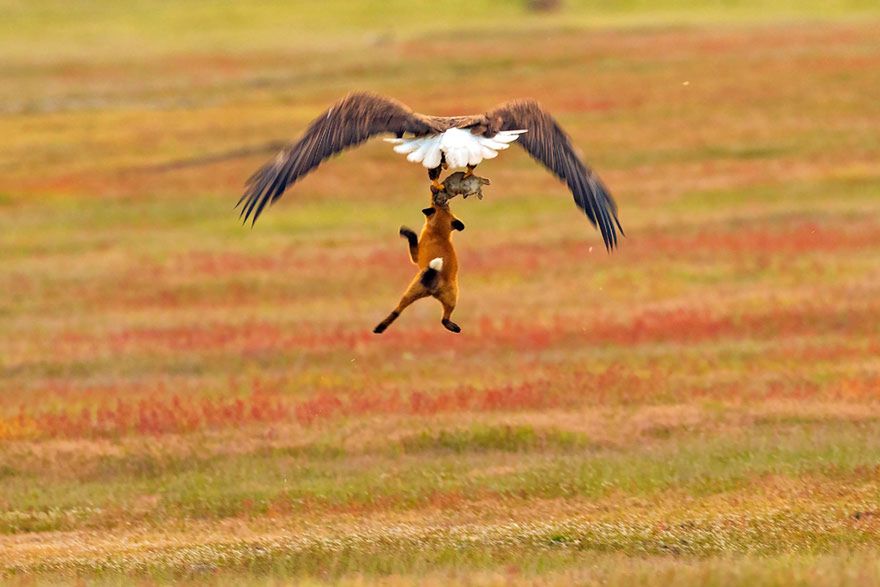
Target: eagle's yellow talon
x,y
436,185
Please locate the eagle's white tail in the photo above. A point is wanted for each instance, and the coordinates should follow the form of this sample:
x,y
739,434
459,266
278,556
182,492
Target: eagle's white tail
x,y
436,264
460,147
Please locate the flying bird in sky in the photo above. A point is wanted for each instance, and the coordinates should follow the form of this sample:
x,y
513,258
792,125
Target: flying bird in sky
x,y
438,143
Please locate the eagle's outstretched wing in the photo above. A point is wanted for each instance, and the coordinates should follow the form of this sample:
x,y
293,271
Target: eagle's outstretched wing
x,y
349,122
548,143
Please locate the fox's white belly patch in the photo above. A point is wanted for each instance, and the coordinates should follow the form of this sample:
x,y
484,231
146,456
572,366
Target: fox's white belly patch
x,y
460,147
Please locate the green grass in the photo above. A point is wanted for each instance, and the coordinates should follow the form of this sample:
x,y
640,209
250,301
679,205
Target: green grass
x,y
509,461
504,438
98,30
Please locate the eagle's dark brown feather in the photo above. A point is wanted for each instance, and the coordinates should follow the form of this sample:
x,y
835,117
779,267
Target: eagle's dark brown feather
x,y
547,143
359,116
349,122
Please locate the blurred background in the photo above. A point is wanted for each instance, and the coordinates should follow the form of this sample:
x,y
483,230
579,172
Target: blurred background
x,y
163,366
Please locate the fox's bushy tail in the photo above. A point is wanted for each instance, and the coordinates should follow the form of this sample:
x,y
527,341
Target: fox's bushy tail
x,y
432,272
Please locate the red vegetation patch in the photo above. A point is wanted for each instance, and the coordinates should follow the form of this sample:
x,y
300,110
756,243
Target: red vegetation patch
x,y
155,416
684,325
244,338
615,385
695,324
687,325
849,389
531,395
792,239
739,242
181,414
234,262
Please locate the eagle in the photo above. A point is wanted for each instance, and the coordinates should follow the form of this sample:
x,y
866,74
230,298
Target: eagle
x,y
438,143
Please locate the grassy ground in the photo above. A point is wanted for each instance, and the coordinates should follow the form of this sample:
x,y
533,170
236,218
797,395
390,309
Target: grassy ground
x,y
182,398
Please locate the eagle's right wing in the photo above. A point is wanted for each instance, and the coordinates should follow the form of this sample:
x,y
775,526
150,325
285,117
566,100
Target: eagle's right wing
x,y
348,123
546,142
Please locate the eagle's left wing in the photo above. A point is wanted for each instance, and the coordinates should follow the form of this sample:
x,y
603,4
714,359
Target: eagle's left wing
x,y
348,123
546,142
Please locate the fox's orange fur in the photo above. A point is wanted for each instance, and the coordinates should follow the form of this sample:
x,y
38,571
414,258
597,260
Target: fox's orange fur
x,y
434,243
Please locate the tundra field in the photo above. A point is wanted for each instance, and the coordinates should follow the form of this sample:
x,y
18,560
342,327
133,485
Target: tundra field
x,y
186,399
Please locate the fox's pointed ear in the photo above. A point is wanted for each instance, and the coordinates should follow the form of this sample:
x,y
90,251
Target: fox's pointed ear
x,y
428,211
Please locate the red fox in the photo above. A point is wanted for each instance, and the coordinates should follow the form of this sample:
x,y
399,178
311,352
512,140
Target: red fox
x,y
433,252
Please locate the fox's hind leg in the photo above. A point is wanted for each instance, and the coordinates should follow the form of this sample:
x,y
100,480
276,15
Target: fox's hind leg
x,y
416,291
448,296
